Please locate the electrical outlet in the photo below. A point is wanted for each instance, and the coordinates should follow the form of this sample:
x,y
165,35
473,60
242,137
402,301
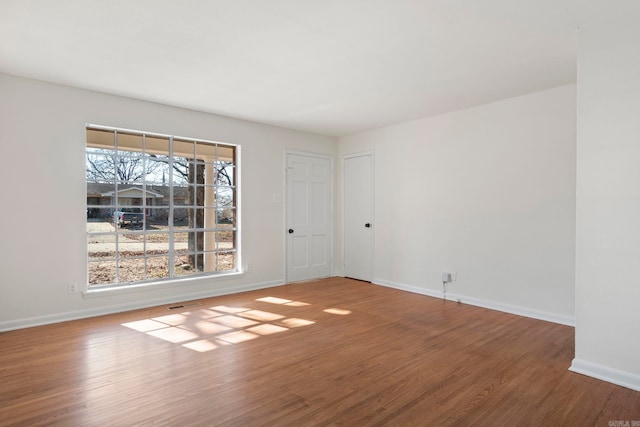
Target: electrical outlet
x,y
245,268
454,276
72,288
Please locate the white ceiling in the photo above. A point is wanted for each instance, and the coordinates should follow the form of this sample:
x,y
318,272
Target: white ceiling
x,y
333,67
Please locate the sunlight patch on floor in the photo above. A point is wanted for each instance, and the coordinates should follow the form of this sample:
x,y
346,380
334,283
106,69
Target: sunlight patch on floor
x,y
210,328
274,300
201,346
292,322
230,310
145,325
237,337
267,329
234,321
296,304
338,311
172,319
206,327
173,334
264,316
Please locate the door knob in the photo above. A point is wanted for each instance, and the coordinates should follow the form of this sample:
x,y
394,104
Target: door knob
x,y
291,231
368,225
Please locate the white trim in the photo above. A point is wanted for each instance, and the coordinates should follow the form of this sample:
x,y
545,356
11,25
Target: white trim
x,y
159,135
604,373
238,183
307,154
492,305
359,154
134,287
119,308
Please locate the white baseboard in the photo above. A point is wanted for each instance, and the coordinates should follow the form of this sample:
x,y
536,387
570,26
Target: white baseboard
x,y
492,305
604,373
118,308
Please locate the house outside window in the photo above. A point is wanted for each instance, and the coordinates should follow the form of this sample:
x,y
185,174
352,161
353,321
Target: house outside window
x,y
159,207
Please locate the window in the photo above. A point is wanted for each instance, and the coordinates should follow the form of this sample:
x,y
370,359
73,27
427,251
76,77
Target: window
x,y
159,207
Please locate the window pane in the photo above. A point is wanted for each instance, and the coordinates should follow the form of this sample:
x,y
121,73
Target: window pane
x,y
128,141
225,218
157,268
157,145
226,261
183,148
102,272
226,154
225,174
156,243
183,268
157,217
180,171
196,172
201,218
226,239
130,246
100,165
181,216
99,138
156,170
131,270
225,197
181,242
101,247
206,151
129,167
128,214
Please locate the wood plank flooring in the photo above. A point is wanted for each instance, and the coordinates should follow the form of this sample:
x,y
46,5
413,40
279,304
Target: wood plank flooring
x,y
324,353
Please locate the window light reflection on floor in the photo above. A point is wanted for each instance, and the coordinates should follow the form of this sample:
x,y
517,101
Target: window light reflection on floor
x,y
210,328
274,300
339,311
173,334
292,322
201,346
237,337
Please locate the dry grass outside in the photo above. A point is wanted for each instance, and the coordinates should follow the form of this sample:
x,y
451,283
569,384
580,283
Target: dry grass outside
x,y
154,245
134,269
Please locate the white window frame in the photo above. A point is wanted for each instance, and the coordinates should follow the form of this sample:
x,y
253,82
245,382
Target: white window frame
x,y
172,279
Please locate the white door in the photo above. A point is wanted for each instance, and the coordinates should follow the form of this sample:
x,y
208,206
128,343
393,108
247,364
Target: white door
x,y
358,217
309,219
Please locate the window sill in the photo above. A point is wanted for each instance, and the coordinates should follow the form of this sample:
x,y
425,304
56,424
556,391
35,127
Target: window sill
x,y
111,290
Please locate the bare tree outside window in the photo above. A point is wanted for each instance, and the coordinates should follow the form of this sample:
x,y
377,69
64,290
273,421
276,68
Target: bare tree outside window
x,y
103,166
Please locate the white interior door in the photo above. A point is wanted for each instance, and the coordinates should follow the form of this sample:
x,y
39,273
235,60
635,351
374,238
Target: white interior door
x,y
309,219
358,217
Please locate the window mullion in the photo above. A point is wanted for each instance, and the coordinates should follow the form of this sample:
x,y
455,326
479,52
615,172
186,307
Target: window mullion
x,y
144,205
171,211
115,204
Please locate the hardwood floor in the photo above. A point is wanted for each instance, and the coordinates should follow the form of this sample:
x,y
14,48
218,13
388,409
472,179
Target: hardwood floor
x,y
330,352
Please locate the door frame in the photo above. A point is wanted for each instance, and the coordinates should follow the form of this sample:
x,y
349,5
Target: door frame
x,y
286,209
371,154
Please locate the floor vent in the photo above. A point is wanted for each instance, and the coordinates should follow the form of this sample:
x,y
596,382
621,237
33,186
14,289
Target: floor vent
x,y
186,305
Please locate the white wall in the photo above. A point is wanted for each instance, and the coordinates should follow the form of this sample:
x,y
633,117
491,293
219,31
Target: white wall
x,y
43,242
488,192
608,197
